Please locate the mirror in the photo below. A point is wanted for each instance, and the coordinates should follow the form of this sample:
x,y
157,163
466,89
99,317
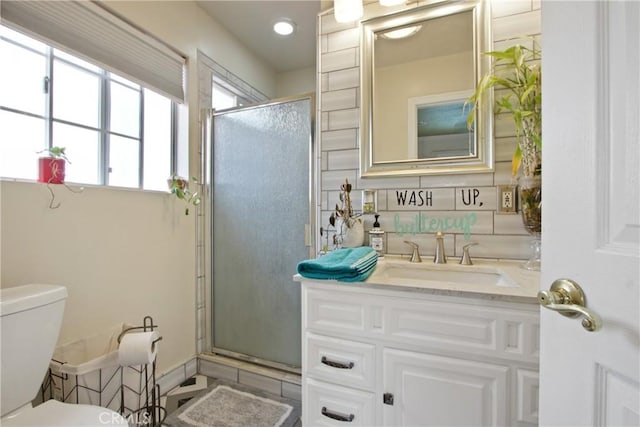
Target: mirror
x,y
418,67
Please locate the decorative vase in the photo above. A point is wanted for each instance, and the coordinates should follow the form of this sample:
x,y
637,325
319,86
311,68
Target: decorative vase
x,y
51,170
531,209
351,235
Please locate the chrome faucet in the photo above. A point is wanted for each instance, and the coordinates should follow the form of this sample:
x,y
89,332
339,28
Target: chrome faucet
x,y
466,258
440,257
415,255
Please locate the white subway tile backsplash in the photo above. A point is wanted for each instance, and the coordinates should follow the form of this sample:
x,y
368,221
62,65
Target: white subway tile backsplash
x,y
421,199
343,79
343,159
481,179
504,148
476,198
324,81
343,39
427,242
508,224
341,59
500,8
449,222
505,127
463,205
381,183
516,25
498,246
328,24
503,174
344,119
339,140
332,180
339,99
324,161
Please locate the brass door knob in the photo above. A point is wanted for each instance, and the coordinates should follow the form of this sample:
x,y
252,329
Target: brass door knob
x,y
566,297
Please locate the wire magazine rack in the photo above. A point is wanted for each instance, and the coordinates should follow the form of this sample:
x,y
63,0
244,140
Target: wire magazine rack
x,y
131,391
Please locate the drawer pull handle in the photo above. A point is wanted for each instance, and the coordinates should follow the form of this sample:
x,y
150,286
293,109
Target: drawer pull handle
x,y
337,416
335,364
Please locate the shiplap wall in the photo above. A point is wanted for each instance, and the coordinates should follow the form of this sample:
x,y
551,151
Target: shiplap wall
x,y
499,236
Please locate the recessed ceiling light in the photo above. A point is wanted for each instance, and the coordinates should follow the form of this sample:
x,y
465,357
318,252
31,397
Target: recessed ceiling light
x,y
284,27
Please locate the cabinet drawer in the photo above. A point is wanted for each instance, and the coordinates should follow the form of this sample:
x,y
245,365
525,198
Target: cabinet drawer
x,y
340,361
337,311
490,331
331,405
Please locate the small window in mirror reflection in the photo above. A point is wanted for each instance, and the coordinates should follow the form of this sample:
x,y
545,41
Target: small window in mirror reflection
x,y
438,127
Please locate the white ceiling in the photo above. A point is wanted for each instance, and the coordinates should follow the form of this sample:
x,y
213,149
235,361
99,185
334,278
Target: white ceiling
x,y
251,22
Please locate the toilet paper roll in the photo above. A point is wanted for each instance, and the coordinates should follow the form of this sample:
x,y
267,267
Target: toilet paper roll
x,y
138,348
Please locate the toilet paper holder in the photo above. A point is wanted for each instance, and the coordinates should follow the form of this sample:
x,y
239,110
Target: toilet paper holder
x,y
147,326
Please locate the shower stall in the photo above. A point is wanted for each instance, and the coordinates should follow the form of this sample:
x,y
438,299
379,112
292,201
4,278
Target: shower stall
x,y
261,213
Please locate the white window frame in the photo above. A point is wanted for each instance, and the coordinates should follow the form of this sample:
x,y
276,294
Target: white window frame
x,y
104,102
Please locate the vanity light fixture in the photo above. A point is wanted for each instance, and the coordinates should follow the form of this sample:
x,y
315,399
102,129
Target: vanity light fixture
x,y
284,27
347,10
401,32
391,2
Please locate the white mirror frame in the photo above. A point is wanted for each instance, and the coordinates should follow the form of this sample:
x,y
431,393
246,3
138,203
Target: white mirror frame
x,y
483,160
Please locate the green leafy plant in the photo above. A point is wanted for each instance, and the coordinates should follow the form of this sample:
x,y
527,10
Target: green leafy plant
x,y
180,187
517,71
56,153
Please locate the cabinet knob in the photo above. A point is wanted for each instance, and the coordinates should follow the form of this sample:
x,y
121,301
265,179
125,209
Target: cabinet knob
x,y
387,399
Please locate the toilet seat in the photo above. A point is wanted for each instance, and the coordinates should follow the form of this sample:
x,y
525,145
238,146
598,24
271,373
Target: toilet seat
x,y
57,414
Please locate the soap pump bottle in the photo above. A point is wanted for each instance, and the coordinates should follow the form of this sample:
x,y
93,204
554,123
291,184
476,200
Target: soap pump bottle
x,y
376,237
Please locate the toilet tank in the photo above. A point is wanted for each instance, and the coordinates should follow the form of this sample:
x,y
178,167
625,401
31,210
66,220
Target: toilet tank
x,y
30,320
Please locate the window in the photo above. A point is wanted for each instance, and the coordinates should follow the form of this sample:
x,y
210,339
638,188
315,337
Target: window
x,y
115,131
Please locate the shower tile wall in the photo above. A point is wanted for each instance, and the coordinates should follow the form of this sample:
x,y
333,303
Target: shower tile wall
x,y
450,196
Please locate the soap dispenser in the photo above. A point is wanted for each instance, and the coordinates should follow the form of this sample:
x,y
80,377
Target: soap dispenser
x,y
376,237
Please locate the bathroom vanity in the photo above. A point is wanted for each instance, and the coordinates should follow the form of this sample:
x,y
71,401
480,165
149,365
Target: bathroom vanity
x,y
422,344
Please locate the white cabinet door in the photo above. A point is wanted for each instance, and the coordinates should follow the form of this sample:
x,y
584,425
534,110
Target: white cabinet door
x,y
431,390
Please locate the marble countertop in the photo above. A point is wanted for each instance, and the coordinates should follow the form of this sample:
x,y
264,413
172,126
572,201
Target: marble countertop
x,y
516,284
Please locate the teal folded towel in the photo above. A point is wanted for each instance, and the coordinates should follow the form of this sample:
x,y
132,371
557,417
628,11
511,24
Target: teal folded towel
x,y
345,265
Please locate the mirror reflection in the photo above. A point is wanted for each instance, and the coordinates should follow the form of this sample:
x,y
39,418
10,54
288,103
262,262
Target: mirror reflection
x,y
423,74
418,68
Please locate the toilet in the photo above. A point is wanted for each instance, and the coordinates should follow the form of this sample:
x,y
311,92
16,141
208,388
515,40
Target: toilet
x,y
30,321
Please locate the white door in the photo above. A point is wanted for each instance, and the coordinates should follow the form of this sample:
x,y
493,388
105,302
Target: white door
x,y
591,226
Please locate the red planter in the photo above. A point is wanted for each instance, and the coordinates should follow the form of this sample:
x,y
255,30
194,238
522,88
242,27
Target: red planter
x,y
51,170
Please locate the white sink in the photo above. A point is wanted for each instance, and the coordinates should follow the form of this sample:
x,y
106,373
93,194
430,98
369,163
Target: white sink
x,y
426,274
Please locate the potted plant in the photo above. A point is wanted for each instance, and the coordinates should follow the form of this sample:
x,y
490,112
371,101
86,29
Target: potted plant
x,y
348,224
517,71
180,187
51,168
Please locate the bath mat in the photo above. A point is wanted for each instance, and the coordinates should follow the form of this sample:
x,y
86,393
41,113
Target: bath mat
x,y
227,404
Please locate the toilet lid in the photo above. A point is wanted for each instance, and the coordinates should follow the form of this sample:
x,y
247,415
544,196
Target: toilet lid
x,y
57,414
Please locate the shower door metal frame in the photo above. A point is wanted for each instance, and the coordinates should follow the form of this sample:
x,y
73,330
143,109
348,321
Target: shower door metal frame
x,y
204,258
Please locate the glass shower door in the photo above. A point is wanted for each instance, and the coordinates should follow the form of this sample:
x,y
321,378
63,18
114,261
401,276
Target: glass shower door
x,y
261,195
